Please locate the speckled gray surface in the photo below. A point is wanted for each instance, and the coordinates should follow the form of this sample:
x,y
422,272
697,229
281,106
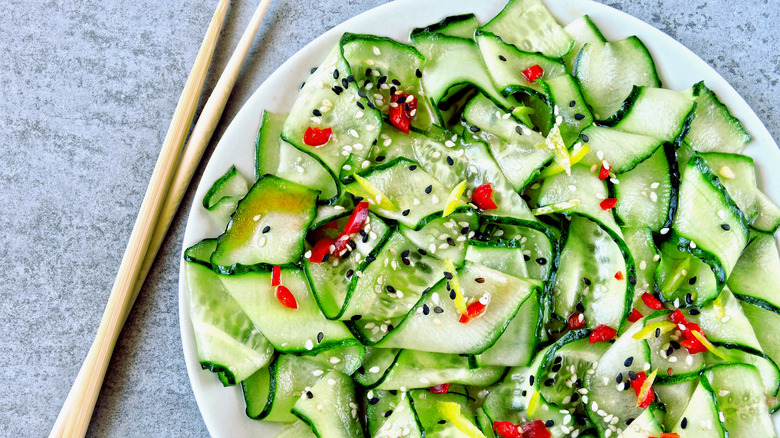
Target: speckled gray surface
x,y
87,89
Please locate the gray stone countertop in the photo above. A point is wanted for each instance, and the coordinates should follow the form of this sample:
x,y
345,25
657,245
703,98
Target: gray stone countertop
x,y
87,90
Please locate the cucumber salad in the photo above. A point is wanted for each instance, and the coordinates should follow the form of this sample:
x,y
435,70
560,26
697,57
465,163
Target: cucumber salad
x,y
500,229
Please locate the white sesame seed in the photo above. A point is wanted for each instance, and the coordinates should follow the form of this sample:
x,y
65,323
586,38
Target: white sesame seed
x,y
308,344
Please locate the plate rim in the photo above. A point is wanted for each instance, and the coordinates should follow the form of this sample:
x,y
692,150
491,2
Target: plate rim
x,y
762,145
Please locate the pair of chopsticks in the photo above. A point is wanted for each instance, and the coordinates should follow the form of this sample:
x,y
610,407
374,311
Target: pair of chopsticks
x,y
169,182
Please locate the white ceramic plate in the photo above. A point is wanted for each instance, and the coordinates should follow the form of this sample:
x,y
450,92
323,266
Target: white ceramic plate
x,y
679,68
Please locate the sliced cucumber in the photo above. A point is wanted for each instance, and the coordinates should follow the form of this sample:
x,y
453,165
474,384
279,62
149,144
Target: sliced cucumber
x,y
714,129
332,411
683,279
267,228
277,157
200,253
529,26
354,128
724,323
461,26
655,112
375,364
646,194
675,395
516,149
516,346
225,337
418,369
506,65
682,364
447,236
569,364
588,273
645,426
537,247
738,175
622,151
389,67
401,422
507,259
302,331
643,251
740,398
700,419
766,325
608,71
394,188
299,429
223,196
440,330
565,100
768,218
582,30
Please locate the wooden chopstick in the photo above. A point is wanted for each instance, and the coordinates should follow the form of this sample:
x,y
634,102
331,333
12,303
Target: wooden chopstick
x,y
74,417
200,138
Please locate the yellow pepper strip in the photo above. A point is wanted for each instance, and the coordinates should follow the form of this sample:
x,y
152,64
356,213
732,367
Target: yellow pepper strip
x,y
709,345
649,330
460,302
554,142
451,412
576,157
555,208
646,387
381,200
454,198
522,113
673,283
533,404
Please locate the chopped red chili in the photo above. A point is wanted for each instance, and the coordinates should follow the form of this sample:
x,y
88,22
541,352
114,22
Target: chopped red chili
x,y
276,276
535,429
321,250
619,275
286,297
576,321
608,203
651,301
440,389
316,136
604,172
602,333
677,317
358,219
637,383
483,197
400,114
472,311
634,316
533,73
506,429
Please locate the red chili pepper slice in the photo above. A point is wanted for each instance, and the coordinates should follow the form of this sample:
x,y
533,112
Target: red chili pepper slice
x,y
286,297
690,342
276,276
604,172
357,219
670,435
602,333
472,311
533,73
576,321
400,114
535,429
677,317
316,136
619,275
637,383
608,203
440,389
506,429
651,301
483,197
634,316
332,225
321,250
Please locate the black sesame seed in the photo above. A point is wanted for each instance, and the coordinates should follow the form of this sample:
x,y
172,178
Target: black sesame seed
x,y
438,309
370,259
447,275
549,382
406,261
428,190
360,105
579,116
450,241
657,332
302,84
575,397
619,378
684,423
426,309
369,71
388,413
542,261
474,128
501,57
558,359
629,421
406,212
693,312
362,94
442,421
628,361
479,280
266,229
397,82
586,281
390,327
632,375
524,393
337,90
689,297
351,78
313,69
556,368
335,74
452,295
572,103
422,251
345,84
365,238
549,423
692,280
325,258
531,380
381,80
669,351
526,257
674,344
317,112
320,337
356,317
580,307
380,158
349,273
413,167
390,289
370,105
374,401
584,138
450,161
346,254
418,73
310,395
401,99
448,286
519,130
725,227
393,391
405,253
632,280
